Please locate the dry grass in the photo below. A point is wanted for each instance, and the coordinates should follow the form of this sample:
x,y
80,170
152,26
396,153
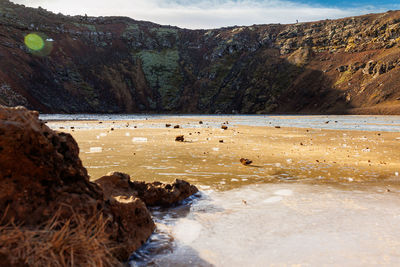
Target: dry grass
x,y
73,242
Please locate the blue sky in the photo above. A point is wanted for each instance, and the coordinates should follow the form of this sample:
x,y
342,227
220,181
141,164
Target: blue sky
x,y
207,14
350,3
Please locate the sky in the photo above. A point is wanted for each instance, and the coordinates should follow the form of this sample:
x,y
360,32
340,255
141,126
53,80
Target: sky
x,y
208,14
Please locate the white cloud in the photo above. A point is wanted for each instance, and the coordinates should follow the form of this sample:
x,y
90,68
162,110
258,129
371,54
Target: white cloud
x,y
199,14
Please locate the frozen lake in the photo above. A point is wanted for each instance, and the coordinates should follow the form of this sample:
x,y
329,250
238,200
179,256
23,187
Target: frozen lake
x,y
336,122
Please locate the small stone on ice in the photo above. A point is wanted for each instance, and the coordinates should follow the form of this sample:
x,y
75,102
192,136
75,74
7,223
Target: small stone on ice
x,y
180,138
245,161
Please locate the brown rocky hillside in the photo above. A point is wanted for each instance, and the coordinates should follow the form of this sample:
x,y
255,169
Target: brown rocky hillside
x,y
119,65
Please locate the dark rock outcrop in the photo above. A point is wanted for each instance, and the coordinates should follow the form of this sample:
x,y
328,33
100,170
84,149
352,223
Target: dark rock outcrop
x,y
40,169
159,194
116,184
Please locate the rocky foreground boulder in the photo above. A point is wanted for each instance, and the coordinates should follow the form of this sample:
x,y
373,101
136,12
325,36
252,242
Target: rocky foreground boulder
x,y
118,184
45,189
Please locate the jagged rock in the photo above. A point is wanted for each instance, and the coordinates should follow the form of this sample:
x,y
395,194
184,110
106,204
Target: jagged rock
x,y
117,184
41,173
342,68
180,138
51,168
379,69
132,225
301,56
11,97
356,66
224,127
245,161
369,67
159,194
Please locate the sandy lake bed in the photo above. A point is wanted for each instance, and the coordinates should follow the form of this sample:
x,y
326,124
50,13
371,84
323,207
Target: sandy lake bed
x,y
209,156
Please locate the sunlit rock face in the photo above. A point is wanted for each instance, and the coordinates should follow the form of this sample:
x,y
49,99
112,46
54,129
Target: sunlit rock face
x,y
57,63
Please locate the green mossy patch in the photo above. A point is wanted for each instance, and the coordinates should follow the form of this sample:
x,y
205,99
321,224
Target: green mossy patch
x,y
344,77
219,70
130,29
90,27
89,95
162,72
164,32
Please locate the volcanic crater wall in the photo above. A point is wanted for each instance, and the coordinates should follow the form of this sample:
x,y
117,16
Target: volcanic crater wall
x,y
120,65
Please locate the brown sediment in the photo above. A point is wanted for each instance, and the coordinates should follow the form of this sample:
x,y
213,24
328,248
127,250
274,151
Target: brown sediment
x,y
361,155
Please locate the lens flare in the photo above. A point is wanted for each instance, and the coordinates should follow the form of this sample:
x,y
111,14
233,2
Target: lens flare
x,y
34,42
